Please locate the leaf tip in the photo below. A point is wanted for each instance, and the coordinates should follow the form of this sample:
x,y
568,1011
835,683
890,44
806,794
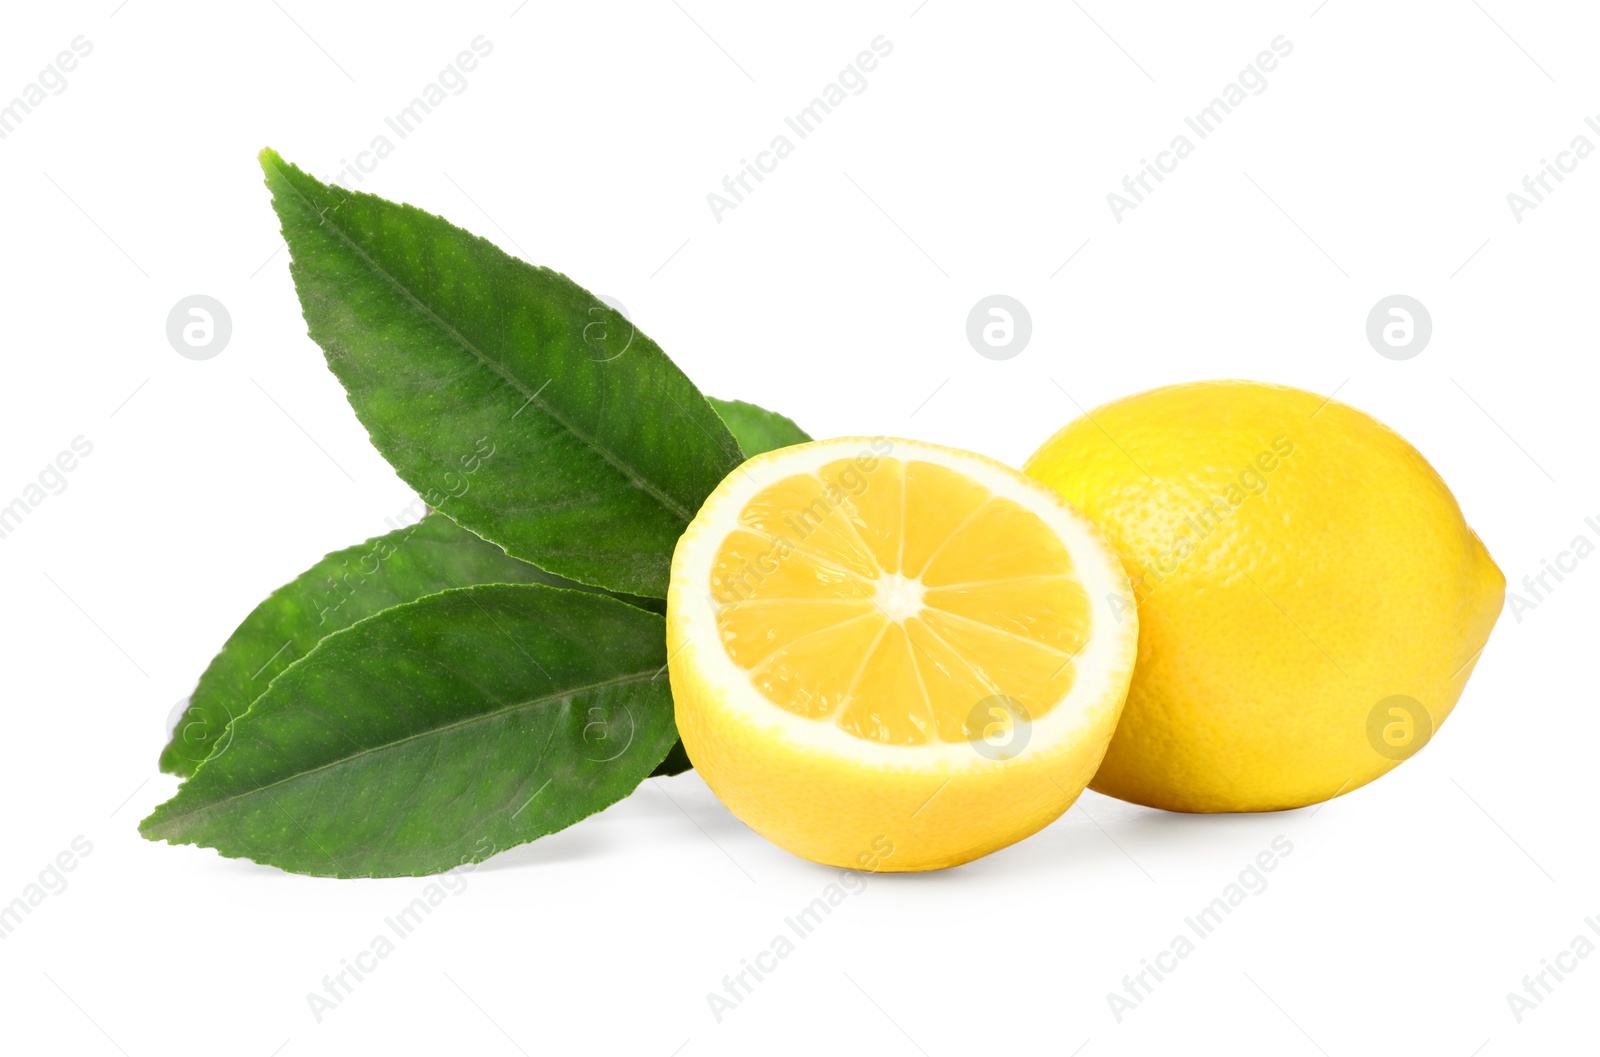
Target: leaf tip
x,y
147,827
278,173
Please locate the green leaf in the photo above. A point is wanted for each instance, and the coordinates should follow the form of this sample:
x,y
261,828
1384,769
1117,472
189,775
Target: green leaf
x,y
508,396
432,555
436,733
756,429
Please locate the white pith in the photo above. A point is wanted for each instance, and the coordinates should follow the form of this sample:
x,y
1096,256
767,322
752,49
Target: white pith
x,y
900,597
1102,665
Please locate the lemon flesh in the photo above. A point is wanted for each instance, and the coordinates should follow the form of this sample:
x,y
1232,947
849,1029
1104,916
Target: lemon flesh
x,y
892,655
1311,599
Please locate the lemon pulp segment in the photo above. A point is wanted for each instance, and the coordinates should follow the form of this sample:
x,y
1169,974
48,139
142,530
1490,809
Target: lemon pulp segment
x,y
889,601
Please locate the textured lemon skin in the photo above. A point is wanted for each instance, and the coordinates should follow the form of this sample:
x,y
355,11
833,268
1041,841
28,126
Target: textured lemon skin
x,y
1264,650
838,812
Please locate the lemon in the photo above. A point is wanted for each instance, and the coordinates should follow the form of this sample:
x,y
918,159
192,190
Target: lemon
x,y
1310,598
890,655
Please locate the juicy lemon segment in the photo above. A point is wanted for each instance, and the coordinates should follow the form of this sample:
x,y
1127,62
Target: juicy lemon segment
x,y
856,624
813,600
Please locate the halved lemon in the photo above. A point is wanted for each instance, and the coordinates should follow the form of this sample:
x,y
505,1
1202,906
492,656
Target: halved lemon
x,y
891,655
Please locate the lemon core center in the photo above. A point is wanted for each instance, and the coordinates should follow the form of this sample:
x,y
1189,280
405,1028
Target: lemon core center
x,y
900,597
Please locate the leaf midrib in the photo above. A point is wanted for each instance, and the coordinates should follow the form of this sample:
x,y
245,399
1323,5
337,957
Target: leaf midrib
x,y
385,746
639,480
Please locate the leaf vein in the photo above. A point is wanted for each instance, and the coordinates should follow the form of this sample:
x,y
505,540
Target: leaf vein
x,y
640,481
637,677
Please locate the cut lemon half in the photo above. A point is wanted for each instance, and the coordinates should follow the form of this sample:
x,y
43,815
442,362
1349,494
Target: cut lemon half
x,y
891,655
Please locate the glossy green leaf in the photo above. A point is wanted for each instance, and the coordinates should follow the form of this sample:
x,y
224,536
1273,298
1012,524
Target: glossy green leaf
x,y
430,555
756,429
436,733
508,396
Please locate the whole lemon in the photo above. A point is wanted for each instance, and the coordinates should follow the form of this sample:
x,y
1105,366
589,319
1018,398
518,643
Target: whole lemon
x,y
1310,599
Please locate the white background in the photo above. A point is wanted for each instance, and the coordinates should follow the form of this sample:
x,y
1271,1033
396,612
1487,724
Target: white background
x,y
978,160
